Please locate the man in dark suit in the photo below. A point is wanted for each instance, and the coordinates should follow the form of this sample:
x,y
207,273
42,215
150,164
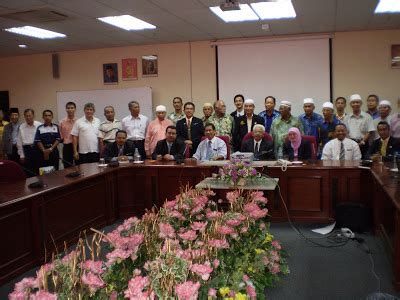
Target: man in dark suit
x,y
238,100
121,147
190,129
262,149
245,123
169,148
386,146
10,135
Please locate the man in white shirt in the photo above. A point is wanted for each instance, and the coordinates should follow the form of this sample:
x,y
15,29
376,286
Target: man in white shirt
x,y
341,148
136,125
359,124
109,127
211,148
85,134
28,152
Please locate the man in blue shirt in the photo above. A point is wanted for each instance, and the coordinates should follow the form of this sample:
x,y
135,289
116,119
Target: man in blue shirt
x,y
311,121
372,104
327,129
270,113
47,139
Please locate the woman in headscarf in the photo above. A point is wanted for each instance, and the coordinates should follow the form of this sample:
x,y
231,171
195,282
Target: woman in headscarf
x,y
295,147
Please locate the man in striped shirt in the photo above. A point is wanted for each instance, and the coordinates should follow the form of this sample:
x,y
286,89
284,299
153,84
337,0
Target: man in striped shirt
x,y
109,127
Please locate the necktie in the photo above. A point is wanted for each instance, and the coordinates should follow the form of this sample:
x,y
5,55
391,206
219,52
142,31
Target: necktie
x,y
189,123
120,151
209,151
341,155
257,147
169,148
384,147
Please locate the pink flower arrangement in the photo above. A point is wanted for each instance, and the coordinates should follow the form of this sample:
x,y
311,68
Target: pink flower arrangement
x,y
276,245
254,211
219,244
136,288
93,281
203,270
93,266
116,255
166,231
43,295
225,230
187,290
25,284
259,197
189,235
198,226
251,292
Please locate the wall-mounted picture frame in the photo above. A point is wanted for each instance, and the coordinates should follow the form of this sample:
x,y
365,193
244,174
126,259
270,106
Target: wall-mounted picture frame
x,y
149,66
129,69
396,56
110,73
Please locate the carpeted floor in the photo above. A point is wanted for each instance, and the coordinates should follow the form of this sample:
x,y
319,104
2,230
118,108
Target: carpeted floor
x,y
316,272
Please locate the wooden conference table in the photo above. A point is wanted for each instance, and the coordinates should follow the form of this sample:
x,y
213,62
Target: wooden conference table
x,y
30,219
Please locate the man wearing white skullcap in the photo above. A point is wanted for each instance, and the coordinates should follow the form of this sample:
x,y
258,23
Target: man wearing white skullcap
x,y
207,111
311,121
156,130
109,127
359,124
328,125
281,125
245,123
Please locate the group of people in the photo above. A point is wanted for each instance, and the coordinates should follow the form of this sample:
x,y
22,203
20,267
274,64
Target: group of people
x,y
270,134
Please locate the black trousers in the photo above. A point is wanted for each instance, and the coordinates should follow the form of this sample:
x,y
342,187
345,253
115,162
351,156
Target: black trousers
x,y
68,155
140,145
33,157
54,159
14,156
88,158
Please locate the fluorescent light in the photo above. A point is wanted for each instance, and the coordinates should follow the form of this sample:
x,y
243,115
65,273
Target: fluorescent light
x,y
23,46
244,14
280,9
127,22
35,32
387,6
150,57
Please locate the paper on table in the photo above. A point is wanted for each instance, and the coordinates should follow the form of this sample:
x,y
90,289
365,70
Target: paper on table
x,y
326,229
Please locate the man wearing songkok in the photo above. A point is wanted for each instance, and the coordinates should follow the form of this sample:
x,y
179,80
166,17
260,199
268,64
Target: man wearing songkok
x,y
85,134
270,113
170,148
340,105
311,121
385,146
156,130
238,100
211,148
27,150
359,124
372,105
207,112
3,123
178,113
281,125
135,126
341,148
262,149
223,122
10,136
327,129
47,139
66,126
109,127
245,123
120,149
190,129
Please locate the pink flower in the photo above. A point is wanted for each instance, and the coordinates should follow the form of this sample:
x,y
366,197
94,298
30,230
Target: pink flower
x,y
245,278
15,295
233,222
197,209
262,226
135,288
200,200
216,263
117,255
166,231
212,215
177,214
203,270
93,281
67,258
187,290
275,269
170,204
244,229
26,283
43,295
254,211
225,230
199,225
251,292
232,196
93,266
232,294
276,245
189,235
259,197
219,244
275,256
266,260
212,293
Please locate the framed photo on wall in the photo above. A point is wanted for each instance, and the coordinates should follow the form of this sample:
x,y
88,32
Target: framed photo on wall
x,y
110,73
150,66
129,69
396,56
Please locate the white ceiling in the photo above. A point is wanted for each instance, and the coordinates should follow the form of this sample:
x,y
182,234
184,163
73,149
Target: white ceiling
x,y
177,21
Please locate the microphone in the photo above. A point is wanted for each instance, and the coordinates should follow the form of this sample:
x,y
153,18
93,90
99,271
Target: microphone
x,y
73,174
36,184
